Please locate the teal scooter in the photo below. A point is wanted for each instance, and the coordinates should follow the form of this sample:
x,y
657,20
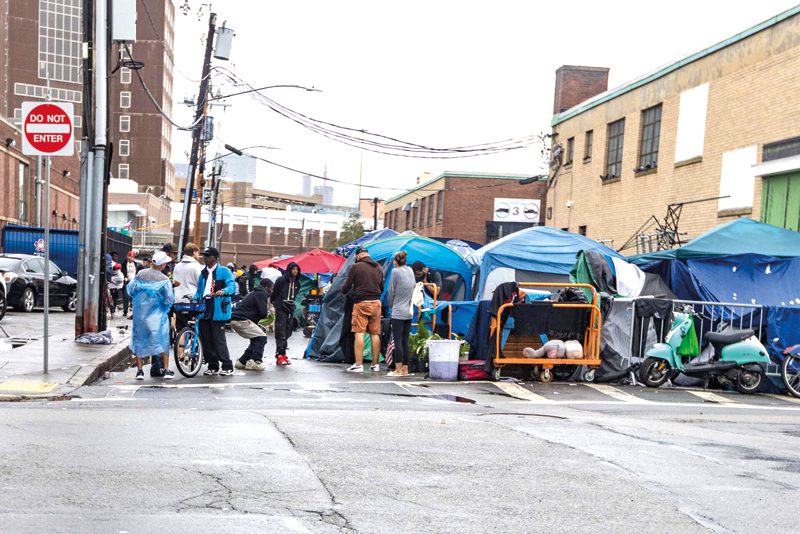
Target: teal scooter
x,y
739,357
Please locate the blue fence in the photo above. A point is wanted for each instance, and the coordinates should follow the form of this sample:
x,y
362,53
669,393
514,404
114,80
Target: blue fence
x,y
63,244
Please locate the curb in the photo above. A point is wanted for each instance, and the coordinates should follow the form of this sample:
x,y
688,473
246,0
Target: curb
x,y
95,369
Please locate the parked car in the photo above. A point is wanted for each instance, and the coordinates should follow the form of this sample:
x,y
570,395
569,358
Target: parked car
x,y
3,299
23,275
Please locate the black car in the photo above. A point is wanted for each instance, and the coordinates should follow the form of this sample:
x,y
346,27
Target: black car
x,y
24,277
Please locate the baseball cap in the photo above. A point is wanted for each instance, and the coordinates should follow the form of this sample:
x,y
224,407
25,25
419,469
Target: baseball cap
x,y
169,247
210,251
161,258
131,254
361,250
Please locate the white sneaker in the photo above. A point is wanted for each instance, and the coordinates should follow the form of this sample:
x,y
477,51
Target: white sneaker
x,y
253,365
375,367
240,365
355,368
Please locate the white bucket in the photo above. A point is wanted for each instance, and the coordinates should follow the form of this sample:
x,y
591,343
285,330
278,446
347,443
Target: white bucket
x,y
443,359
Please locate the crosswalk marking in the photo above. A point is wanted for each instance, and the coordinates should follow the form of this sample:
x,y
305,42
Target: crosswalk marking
x,y
519,392
617,394
711,397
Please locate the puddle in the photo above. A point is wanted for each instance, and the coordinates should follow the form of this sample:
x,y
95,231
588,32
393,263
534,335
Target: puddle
x,y
453,398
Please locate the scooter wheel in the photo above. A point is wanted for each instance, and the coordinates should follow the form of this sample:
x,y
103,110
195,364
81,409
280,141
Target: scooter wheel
x,y
749,380
654,372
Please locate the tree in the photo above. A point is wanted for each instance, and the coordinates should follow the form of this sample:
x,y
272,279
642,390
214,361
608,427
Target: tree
x,y
352,229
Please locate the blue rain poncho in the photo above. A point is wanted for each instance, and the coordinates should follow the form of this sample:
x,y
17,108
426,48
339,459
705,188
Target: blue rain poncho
x,y
152,301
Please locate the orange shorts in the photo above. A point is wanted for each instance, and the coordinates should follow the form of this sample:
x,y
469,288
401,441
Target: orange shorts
x,y
367,317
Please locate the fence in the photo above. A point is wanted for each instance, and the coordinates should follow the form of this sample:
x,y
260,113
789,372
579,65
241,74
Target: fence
x,y
18,239
711,317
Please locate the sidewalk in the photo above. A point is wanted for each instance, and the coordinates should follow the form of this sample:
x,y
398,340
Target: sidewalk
x,y
71,365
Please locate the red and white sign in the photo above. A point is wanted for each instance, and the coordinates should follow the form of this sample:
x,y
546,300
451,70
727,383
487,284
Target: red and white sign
x,y
47,129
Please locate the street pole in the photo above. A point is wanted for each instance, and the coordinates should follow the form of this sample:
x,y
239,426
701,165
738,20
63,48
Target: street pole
x,y
375,213
197,129
97,181
38,191
200,187
86,173
211,233
47,264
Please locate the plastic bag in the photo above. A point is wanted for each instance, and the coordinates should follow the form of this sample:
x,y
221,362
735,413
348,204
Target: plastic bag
x,y
151,303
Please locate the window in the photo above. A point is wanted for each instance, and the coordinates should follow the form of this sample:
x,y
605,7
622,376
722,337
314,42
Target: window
x,y
439,206
125,75
34,265
124,123
124,99
588,145
124,171
60,40
692,110
422,206
616,136
124,147
414,213
780,149
408,219
651,132
570,151
430,210
582,230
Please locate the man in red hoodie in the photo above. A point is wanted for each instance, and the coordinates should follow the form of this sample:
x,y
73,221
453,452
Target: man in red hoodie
x,y
364,284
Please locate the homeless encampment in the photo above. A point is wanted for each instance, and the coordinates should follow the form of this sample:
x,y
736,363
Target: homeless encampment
x,y
332,332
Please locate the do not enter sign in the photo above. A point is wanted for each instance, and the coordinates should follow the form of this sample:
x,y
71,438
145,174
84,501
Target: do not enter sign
x,y
47,129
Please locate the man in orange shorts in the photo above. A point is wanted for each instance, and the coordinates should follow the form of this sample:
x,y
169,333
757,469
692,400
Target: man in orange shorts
x,y
364,284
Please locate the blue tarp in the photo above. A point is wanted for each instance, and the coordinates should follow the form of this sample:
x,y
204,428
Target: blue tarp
x,y
742,236
539,249
346,250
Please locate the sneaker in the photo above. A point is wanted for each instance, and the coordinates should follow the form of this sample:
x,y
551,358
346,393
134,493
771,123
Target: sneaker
x,y
211,372
253,365
393,374
375,367
168,375
282,360
355,368
239,365
226,372
139,375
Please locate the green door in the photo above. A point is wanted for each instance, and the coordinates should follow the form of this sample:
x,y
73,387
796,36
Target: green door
x,y
780,201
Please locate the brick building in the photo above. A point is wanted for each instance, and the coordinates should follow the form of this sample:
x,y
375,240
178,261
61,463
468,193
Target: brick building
x,y
723,122
142,136
466,206
42,47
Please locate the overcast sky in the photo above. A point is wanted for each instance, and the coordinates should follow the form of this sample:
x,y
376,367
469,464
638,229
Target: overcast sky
x,y
440,73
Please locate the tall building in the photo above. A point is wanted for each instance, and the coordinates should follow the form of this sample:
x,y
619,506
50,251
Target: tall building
x,y
307,185
691,145
326,192
42,54
141,134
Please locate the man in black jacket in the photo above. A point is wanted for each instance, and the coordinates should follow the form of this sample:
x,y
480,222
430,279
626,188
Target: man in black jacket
x,y
244,321
283,296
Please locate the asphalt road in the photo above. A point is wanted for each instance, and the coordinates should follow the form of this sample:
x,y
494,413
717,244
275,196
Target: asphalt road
x,y
309,448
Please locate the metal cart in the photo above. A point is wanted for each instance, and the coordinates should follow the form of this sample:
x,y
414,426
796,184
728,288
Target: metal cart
x,y
543,367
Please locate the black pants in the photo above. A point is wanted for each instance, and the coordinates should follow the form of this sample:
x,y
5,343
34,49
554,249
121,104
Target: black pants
x,y
401,330
255,350
283,329
215,348
126,300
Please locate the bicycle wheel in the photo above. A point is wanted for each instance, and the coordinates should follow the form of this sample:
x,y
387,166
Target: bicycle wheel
x,y
188,353
790,372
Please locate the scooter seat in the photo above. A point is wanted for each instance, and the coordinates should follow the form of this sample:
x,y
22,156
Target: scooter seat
x,y
729,337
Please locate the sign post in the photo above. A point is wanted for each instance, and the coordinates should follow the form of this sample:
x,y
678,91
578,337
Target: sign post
x,y
47,131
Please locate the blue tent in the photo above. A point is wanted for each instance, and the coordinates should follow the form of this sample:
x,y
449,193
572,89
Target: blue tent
x,y
540,253
346,250
456,278
741,236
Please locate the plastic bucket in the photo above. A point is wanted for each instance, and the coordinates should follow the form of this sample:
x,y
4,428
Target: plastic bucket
x,y
443,359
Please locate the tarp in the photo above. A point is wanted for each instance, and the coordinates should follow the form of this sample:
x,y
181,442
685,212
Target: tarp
x,y
311,262
540,249
742,236
325,341
347,249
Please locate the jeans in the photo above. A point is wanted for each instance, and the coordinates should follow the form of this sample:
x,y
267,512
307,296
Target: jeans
x,y
401,330
215,347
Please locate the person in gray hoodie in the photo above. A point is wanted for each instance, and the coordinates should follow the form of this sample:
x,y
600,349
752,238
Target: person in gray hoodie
x,y
398,298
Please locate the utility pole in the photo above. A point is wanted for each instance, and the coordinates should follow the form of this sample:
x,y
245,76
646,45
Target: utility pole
x,y
197,130
211,234
375,213
201,180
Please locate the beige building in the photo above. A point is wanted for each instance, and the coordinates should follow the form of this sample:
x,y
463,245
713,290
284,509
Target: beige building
x,y
674,153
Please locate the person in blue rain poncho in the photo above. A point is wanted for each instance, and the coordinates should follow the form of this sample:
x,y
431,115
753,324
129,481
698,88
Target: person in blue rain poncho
x,y
152,296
